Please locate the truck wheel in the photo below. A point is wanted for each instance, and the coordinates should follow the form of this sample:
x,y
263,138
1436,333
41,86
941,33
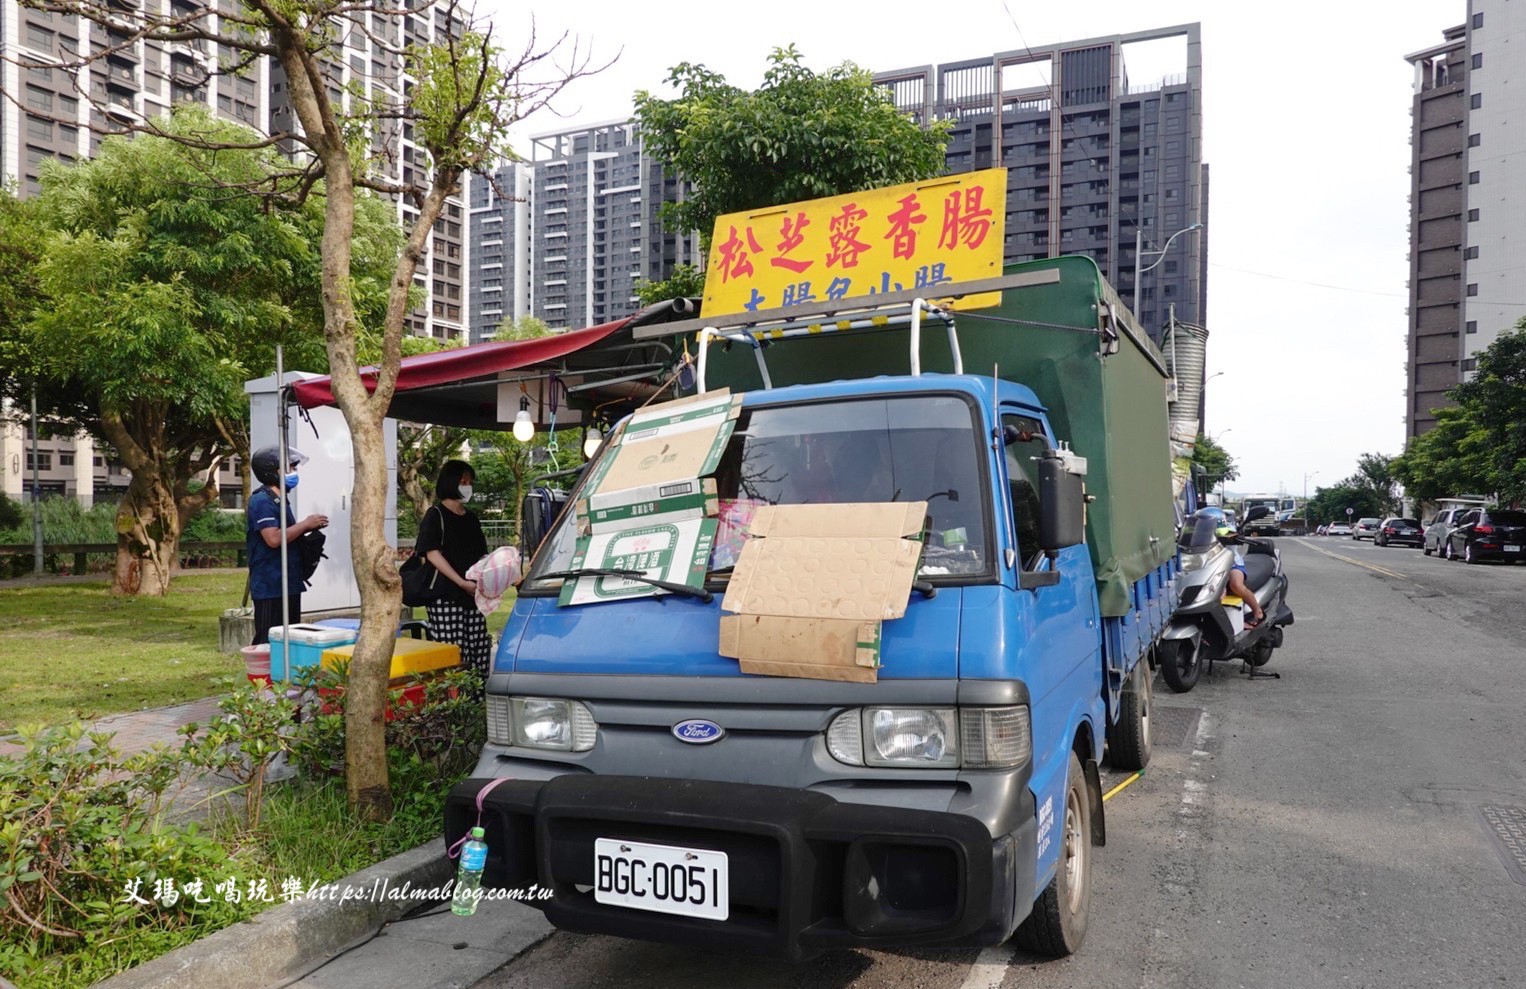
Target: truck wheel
x,y
1180,663
1057,924
1129,741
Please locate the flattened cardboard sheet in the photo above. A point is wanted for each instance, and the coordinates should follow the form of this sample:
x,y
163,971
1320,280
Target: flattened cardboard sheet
x,y
814,582
650,505
815,648
686,500
666,550
853,561
663,451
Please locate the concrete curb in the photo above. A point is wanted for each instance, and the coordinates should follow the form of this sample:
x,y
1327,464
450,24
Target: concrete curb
x,y
286,941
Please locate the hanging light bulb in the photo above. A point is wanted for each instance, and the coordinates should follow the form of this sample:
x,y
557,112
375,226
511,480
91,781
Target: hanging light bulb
x,y
591,441
524,426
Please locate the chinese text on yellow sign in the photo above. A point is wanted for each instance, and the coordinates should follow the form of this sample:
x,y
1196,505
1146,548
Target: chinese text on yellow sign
x,y
913,236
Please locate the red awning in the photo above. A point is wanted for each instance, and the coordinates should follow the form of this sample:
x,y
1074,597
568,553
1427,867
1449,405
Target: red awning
x,y
451,367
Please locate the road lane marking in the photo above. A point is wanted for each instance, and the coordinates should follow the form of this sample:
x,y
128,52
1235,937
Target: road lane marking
x,y
989,969
1347,559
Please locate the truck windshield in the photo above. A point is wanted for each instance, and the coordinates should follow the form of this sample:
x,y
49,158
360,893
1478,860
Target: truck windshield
x,y
916,448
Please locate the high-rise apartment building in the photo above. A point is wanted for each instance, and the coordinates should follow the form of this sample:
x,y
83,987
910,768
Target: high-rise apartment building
x,y
500,228
1095,158
136,80
596,229
44,114
1467,250
368,63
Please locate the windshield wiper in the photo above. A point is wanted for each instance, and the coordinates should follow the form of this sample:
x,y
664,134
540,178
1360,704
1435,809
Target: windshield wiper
x,y
666,585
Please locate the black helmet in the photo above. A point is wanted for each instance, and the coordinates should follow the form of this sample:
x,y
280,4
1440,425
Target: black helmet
x,y
266,463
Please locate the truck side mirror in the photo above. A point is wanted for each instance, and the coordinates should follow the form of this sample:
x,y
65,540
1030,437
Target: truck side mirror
x,y
1062,500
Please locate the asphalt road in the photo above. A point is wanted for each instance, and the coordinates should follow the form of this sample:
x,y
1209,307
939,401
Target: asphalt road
x,y
1329,828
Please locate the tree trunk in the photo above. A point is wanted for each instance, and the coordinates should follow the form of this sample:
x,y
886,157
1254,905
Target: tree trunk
x,y
375,565
374,562
148,537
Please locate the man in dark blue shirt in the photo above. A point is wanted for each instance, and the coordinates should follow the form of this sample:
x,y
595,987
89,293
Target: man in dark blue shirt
x,y
263,540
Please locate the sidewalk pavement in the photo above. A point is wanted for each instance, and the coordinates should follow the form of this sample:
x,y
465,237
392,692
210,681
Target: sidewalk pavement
x,y
139,730
436,949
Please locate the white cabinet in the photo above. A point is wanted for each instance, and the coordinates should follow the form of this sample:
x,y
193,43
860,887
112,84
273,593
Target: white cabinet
x,y
327,486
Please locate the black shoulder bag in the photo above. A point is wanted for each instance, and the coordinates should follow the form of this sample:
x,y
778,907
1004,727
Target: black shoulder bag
x,y
421,581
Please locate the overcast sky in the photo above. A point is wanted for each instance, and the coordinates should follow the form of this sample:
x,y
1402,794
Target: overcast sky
x,y
1306,127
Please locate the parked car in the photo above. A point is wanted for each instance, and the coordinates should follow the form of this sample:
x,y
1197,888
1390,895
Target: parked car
x,y
1438,527
1338,529
1399,532
1488,534
1366,529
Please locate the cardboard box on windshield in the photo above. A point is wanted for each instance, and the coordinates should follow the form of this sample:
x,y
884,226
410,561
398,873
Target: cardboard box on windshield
x,y
650,503
813,585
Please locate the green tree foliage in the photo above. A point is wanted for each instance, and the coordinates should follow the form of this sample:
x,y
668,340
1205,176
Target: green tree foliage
x,y
1451,459
1330,504
1370,492
1375,473
20,251
1497,398
521,328
1218,466
1478,446
164,295
686,282
464,95
802,135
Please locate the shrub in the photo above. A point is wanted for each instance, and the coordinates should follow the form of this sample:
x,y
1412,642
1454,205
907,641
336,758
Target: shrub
x,y
84,847
241,744
214,525
10,513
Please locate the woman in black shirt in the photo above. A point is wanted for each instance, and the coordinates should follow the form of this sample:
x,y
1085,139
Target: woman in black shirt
x,y
450,538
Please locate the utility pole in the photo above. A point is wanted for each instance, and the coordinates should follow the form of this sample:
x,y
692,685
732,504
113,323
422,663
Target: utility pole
x,y
36,494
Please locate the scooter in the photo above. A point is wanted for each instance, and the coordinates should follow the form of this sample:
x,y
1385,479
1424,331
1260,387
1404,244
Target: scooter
x,y
1210,624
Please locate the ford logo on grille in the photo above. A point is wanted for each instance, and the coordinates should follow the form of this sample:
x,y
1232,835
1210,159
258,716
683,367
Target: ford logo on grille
x,y
698,731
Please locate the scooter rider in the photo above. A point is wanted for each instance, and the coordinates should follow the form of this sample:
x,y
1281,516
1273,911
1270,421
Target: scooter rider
x,y
1237,584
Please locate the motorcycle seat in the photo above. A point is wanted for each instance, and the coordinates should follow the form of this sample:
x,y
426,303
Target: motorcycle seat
x,y
1259,570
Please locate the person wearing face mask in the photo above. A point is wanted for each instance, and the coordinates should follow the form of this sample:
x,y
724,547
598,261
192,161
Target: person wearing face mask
x,y
451,539
262,540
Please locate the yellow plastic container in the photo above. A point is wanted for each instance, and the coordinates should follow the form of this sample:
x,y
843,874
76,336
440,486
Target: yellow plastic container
x,y
409,657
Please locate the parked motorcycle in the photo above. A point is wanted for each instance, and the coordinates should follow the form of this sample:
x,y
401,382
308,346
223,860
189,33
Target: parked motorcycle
x,y
1207,629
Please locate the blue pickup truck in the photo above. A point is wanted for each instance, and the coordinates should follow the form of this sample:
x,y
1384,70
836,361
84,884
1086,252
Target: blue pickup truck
x,y
654,790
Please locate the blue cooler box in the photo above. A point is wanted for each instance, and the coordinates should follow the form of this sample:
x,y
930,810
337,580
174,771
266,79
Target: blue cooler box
x,y
307,645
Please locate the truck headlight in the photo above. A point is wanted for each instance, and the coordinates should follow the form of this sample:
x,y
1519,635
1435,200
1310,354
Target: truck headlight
x,y
932,738
899,736
552,723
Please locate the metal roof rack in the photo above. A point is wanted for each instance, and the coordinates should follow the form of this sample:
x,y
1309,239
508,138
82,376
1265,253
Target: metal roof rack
x,y
888,317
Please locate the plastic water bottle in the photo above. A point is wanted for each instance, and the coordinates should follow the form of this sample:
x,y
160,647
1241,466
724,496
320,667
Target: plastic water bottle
x,y
463,902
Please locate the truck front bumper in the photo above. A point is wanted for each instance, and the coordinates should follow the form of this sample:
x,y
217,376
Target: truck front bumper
x,y
807,872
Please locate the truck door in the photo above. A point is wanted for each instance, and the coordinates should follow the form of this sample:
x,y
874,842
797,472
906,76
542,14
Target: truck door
x,y
1058,640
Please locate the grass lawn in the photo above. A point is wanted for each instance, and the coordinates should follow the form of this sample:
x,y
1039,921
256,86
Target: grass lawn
x,y
72,651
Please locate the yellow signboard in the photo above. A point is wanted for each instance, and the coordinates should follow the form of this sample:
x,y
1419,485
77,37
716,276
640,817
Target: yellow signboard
x,y
921,234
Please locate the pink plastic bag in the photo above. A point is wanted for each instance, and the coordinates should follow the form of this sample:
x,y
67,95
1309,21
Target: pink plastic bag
x,y
494,574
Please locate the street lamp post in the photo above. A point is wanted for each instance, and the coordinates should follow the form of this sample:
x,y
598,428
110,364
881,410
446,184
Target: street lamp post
x,y
1160,255
1306,485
